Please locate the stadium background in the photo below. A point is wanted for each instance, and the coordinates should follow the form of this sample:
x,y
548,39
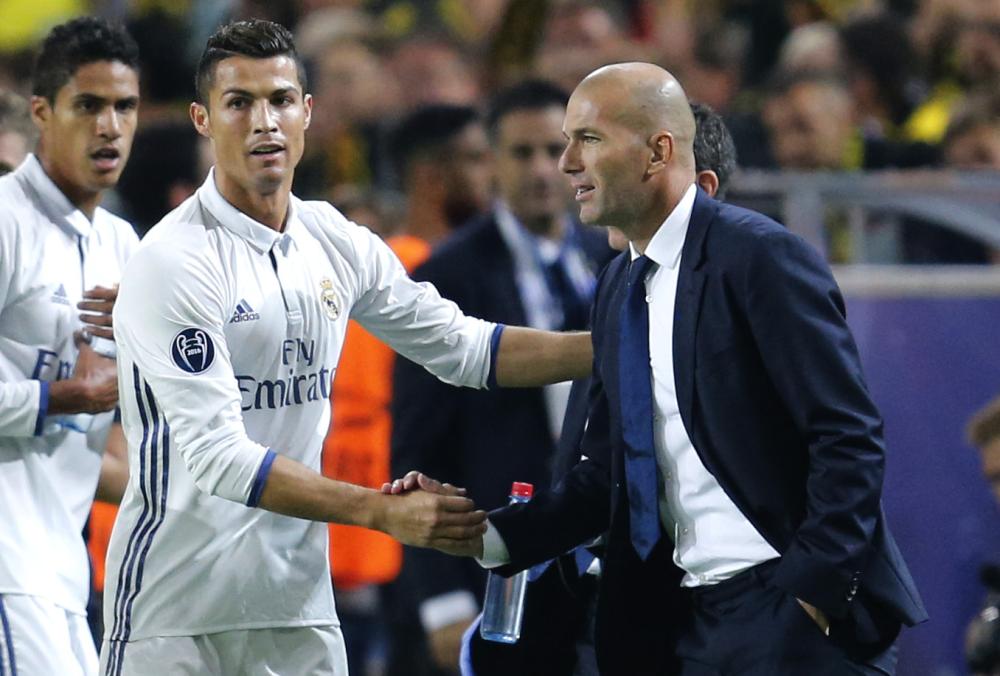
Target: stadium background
x,y
871,127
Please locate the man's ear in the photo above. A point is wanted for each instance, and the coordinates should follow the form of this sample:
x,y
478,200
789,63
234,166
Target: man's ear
x,y
708,181
41,111
307,101
199,117
661,146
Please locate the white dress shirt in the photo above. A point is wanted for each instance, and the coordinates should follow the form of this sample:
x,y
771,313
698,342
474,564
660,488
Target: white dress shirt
x,y
713,540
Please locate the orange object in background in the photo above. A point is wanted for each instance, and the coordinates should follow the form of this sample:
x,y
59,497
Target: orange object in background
x,y
357,448
102,520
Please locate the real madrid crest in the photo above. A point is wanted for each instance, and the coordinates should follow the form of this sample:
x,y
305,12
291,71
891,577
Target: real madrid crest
x,y
328,299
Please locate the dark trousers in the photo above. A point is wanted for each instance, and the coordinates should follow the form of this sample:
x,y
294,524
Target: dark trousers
x,y
746,626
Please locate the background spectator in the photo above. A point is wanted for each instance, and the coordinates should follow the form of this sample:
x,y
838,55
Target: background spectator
x,y
17,132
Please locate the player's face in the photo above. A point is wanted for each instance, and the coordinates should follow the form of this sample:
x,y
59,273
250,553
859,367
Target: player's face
x,y
86,134
606,161
529,144
256,117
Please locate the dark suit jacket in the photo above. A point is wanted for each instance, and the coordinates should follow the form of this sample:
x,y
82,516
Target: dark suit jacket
x,y
482,440
771,393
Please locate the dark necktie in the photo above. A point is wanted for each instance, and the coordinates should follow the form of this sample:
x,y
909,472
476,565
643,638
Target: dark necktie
x,y
575,307
635,384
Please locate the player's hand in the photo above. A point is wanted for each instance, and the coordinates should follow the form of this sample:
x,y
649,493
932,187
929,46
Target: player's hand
x,y
415,479
449,523
817,615
93,388
98,303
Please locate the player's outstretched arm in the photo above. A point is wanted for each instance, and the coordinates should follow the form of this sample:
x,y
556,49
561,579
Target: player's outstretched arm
x,y
532,358
450,523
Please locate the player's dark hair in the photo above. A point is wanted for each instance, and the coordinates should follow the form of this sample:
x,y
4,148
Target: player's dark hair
x,y
77,43
714,148
427,130
531,95
256,38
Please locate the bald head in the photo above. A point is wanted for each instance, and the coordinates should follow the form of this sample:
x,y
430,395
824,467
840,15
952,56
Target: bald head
x,y
629,152
645,98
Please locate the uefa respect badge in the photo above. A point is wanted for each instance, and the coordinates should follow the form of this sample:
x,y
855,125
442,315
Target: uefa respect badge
x,y
193,350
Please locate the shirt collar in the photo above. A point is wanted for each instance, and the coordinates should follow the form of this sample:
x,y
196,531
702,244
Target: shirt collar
x,y
665,247
56,205
517,237
258,235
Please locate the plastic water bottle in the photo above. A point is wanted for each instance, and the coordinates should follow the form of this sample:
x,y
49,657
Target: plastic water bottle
x,y
503,607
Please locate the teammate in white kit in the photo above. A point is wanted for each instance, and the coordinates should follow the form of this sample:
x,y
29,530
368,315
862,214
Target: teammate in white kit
x,y
229,326
60,253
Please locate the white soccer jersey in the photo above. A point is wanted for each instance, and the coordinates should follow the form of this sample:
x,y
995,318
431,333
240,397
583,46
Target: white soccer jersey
x,y
50,252
228,336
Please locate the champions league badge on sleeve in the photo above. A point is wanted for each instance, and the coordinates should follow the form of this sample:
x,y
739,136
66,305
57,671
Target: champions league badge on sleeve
x,y
193,350
328,299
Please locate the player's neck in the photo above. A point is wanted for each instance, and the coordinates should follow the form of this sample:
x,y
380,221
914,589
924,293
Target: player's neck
x,y
270,208
86,201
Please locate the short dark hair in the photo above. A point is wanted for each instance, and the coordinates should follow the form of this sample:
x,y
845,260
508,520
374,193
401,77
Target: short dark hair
x,y
426,130
714,148
527,95
256,38
76,43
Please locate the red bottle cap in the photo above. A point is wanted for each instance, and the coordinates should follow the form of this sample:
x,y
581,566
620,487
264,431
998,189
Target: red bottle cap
x,y
521,490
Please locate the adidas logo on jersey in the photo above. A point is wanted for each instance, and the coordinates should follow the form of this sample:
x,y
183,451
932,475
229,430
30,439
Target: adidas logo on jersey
x,y
244,313
60,296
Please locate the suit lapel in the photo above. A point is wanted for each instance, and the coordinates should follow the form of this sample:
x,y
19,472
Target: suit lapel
x,y
690,285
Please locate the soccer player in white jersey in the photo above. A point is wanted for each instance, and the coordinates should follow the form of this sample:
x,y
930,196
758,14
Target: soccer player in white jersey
x,y
229,327
60,253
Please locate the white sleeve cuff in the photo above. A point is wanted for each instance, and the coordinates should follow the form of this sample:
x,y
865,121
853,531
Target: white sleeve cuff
x,y
495,552
440,611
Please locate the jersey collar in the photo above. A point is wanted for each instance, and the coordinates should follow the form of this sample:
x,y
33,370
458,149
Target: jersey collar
x,y
258,235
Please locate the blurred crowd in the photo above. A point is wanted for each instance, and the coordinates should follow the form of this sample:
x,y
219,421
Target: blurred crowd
x,y
802,84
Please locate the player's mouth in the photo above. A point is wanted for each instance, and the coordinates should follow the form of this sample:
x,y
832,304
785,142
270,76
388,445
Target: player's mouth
x,y
106,158
583,191
267,151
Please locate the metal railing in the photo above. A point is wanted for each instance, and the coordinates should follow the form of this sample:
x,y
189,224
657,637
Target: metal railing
x,y
963,202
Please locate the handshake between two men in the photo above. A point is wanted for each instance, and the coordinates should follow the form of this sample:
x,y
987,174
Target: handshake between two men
x,y
453,525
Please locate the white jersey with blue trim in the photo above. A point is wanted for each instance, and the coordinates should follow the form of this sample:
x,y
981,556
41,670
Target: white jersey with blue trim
x,y
229,334
50,253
